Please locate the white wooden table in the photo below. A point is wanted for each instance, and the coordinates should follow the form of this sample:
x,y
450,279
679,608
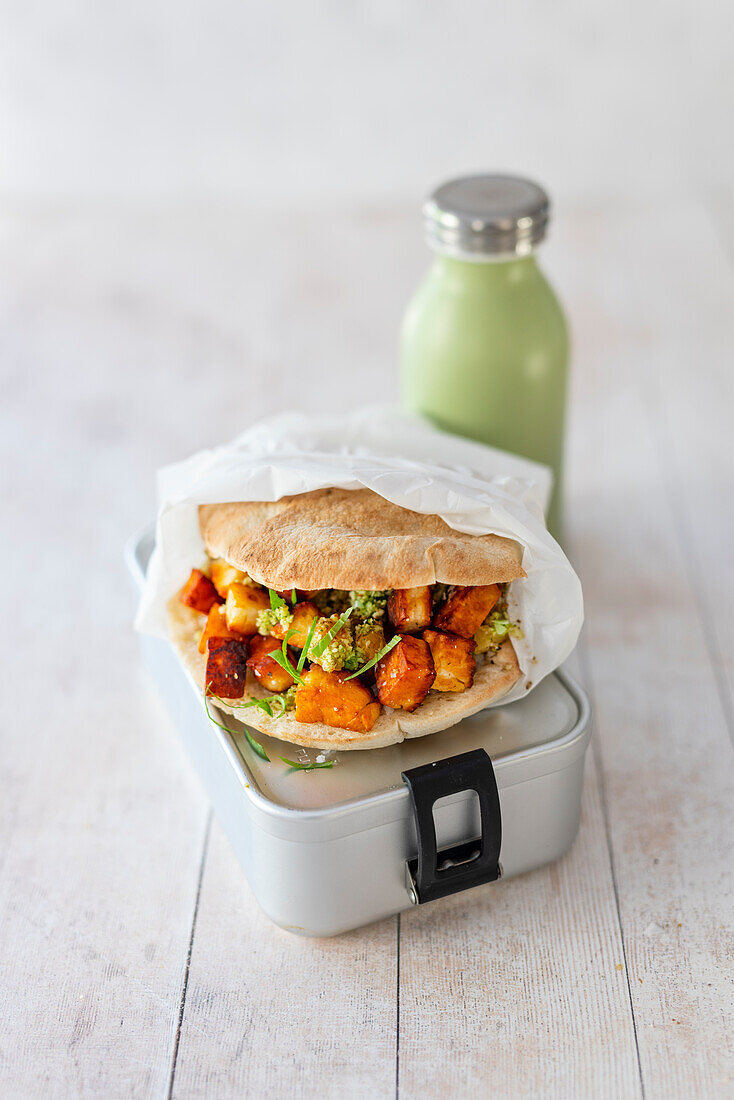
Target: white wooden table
x,y
133,959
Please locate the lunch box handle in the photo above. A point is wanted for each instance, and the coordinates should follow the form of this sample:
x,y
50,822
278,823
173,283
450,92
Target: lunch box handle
x,y
435,874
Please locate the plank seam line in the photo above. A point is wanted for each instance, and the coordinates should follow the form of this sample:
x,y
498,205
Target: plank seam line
x,y
397,1012
187,968
677,503
585,662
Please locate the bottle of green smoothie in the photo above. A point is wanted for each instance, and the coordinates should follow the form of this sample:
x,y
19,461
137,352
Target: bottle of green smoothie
x,y
484,350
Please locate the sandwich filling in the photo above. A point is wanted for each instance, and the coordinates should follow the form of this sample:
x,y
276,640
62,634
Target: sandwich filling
x,y
339,657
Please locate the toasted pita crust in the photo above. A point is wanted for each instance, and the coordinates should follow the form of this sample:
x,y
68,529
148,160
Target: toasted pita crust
x,y
492,680
352,539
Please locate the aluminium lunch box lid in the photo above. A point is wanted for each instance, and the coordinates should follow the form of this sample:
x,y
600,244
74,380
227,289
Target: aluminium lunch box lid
x,y
544,732
525,739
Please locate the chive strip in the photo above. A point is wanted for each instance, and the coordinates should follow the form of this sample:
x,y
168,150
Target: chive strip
x,y
275,600
310,767
294,597
280,699
304,651
329,637
283,660
208,712
378,657
256,746
262,704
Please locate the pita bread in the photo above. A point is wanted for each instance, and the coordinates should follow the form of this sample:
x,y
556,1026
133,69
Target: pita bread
x,y
352,539
492,680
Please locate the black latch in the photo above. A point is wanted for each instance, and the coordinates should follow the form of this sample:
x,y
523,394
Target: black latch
x,y
435,874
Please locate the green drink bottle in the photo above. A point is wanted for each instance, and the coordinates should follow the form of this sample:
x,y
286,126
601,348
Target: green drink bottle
x,y
484,348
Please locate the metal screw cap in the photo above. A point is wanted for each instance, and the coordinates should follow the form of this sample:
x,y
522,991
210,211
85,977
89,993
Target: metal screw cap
x,y
482,216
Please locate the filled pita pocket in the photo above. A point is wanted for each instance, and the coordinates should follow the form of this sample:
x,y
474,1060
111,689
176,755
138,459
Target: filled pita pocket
x,y
338,620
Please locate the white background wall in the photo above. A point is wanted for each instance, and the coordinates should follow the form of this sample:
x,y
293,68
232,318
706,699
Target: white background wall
x,y
281,101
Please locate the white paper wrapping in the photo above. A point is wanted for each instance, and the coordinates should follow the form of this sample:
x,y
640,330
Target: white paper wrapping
x,y
473,488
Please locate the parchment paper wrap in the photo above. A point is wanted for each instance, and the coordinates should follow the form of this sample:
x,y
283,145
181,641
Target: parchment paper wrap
x,y
473,488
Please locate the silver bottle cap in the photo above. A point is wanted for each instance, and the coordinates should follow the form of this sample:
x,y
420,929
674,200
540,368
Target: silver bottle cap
x,y
479,217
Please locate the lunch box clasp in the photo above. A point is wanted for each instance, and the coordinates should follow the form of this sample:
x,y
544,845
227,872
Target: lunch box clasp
x,y
433,873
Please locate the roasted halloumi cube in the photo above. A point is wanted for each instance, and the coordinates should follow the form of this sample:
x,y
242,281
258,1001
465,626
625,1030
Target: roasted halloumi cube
x,y
267,671
453,658
410,609
216,627
331,698
405,675
243,606
224,574
369,639
303,615
226,667
199,593
466,609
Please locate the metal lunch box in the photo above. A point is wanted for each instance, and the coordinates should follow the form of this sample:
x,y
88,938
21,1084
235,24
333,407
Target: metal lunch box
x,y
383,830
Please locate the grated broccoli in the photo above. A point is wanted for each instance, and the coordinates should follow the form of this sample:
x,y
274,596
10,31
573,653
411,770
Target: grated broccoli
x,y
494,631
340,651
331,601
289,697
369,604
272,617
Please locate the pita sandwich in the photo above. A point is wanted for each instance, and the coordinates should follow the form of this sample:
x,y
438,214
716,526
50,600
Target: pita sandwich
x,y
393,624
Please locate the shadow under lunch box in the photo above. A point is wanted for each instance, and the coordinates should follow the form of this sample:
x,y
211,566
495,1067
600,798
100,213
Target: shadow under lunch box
x,y
385,829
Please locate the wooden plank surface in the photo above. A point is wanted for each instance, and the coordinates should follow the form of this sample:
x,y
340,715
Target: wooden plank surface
x,y
133,959
100,819
691,393
660,724
270,1014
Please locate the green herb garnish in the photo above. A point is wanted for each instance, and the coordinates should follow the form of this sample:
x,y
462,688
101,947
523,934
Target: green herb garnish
x,y
284,661
275,600
378,657
330,635
265,705
207,694
310,767
294,597
309,636
261,704
256,746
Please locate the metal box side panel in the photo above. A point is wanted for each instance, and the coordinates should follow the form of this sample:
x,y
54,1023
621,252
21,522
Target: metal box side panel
x,y
329,887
